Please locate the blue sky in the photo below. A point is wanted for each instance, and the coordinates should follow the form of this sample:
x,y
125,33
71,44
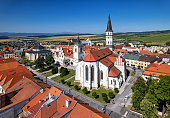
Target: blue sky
x,y
83,16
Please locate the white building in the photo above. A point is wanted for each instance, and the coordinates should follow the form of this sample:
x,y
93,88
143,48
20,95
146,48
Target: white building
x,y
102,67
71,54
37,51
87,42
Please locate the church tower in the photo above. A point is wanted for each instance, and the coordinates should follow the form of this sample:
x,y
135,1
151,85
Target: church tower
x,y
77,51
109,35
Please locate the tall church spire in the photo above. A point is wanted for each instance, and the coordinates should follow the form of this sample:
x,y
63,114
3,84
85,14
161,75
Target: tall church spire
x,y
109,25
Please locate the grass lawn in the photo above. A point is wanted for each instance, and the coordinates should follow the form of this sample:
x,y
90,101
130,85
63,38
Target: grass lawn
x,y
48,74
58,78
98,91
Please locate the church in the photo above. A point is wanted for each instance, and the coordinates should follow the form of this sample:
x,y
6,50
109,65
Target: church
x,y
102,67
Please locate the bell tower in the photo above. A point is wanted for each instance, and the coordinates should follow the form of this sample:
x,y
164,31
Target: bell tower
x,y
109,35
77,51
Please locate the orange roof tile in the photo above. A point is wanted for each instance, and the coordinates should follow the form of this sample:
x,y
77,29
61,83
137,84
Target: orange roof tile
x,y
114,72
71,56
157,69
94,55
130,47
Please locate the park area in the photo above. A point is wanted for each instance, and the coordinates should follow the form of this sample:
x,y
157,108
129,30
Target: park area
x,y
101,94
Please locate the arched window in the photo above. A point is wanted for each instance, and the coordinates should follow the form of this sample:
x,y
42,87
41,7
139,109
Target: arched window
x,y
101,75
86,72
92,73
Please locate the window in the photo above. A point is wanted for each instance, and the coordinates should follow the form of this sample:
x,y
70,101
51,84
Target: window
x,y
111,81
75,49
101,75
92,73
86,69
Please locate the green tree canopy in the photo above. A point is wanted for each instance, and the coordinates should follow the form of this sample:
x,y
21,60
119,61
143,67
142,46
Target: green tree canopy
x,y
140,86
39,62
136,99
168,43
148,109
23,54
49,60
159,92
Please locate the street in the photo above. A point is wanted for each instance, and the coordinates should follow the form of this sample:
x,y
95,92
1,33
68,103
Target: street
x,y
125,90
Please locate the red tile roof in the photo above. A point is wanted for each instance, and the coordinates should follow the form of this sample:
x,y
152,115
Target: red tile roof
x,y
95,55
71,56
118,46
114,72
157,69
66,51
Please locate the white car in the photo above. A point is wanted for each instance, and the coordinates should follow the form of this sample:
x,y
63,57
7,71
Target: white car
x,y
126,98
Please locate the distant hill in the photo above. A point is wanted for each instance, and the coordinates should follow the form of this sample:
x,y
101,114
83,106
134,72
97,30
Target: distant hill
x,y
41,34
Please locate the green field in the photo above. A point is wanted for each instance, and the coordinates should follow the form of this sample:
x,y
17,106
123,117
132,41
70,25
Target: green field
x,y
58,78
149,38
48,74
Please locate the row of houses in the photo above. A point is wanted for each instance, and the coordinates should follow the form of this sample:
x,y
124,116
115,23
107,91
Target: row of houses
x,y
21,95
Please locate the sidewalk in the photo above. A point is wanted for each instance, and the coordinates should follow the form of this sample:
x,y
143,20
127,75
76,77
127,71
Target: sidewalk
x,y
45,71
69,78
55,75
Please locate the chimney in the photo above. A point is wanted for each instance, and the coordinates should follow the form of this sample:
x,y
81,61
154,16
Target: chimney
x,y
67,103
41,90
50,95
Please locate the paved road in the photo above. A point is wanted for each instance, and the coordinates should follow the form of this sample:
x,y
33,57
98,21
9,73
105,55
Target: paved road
x,y
125,90
92,102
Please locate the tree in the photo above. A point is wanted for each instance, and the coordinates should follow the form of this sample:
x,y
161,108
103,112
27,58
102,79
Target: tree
x,y
54,70
64,72
111,95
94,94
168,43
39,62
61,69
85,91
148,83
148,109
106,99
24,61
49,60
104,95
69,83
140,86
77,87
116,90
136,99
62,81
23,54
159,92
